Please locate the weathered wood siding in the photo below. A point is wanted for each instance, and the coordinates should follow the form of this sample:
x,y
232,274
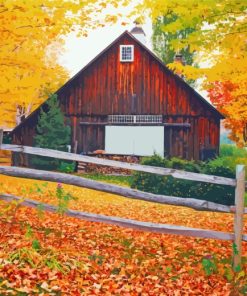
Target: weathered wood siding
x,y
109,86
145,86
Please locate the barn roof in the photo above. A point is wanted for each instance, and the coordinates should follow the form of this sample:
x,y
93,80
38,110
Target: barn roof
x,y
203,100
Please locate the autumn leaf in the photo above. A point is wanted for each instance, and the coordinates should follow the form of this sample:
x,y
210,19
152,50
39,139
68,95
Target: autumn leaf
x,y
106,259
216,36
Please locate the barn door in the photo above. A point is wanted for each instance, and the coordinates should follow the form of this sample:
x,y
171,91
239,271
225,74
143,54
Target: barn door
x,y
176,142
134,140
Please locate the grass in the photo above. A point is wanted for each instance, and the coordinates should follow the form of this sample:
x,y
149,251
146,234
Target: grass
x,y
118,180
84,258
227,150
230,156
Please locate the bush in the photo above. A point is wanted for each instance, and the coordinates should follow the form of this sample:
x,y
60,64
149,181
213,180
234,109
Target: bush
x,y
167,185
6,139
67,166
231,156
52,133
43,162
227,150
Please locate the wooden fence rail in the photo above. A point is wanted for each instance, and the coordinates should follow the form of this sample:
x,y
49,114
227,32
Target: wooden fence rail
x,y
130,166
239,184
139,225
197,204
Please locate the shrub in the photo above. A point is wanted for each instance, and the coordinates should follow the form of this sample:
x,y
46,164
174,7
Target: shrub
x,y
218,167
227,150
52,133
67,166
167,185
6,139
230,156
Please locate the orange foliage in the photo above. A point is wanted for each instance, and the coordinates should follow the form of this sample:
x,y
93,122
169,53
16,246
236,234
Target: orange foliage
x,y
84,258
220,93
223,96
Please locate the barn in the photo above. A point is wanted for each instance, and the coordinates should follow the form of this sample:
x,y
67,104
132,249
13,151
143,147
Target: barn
x,y
127,102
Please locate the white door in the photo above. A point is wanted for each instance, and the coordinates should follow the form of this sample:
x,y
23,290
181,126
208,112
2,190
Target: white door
x,y
137,140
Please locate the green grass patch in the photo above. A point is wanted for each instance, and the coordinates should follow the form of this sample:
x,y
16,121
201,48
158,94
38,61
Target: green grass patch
x,y
227,150
118,180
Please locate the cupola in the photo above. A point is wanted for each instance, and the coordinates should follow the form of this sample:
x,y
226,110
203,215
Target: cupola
x,y
138,33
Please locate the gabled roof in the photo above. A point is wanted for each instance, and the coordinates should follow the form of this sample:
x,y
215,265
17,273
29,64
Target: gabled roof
x,y
212,108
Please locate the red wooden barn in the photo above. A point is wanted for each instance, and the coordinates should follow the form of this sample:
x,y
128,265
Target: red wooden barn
x,y
126,101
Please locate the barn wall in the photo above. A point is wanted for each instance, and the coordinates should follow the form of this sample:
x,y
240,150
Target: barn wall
x,y
203,133
144,86
24,136
184,142
140,87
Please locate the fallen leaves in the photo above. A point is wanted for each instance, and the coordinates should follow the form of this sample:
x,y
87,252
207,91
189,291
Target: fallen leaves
x,y
83,258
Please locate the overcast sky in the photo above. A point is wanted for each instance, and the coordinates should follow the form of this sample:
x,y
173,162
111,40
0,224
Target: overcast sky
x,y
80,51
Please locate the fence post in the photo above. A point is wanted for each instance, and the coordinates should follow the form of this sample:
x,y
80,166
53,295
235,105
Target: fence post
x,y
239,215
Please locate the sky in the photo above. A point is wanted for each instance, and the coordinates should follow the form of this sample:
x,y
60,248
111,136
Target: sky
x,y
80,51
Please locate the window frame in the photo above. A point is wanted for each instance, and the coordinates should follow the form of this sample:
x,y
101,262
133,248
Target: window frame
x,y
121,53
135,119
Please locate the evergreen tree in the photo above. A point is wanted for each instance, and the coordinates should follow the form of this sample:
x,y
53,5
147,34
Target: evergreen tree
x,y
52,133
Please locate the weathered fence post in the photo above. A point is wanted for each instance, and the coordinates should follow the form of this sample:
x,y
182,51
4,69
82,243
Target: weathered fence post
x,y
239,215
1,137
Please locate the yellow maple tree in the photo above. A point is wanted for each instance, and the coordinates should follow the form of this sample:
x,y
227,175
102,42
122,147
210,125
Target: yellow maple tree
x,y
32,37
218,39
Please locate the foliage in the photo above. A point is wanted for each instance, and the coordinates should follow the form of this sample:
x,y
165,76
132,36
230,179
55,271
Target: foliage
x,y
106,259
6,139
32,38
51,129
119,180
225,165
66,166
230,101
209,264
168,185
232,151
90,258
63,203
52,133
63,199
162,41
236,276
232,156
218,36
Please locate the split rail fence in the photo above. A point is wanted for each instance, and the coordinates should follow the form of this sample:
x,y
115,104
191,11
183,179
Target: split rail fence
x,y
202,205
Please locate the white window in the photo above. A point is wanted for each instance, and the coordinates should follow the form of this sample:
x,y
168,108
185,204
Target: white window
x,y
135,119
134,140
126,53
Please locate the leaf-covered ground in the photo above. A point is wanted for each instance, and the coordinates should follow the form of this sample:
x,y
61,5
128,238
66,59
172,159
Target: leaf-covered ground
x,y
49,254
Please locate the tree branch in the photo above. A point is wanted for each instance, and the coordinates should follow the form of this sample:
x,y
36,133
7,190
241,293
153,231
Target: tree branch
x,y
225,13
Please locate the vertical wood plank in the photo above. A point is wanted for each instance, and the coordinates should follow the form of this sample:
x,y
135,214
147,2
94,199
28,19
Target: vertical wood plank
x,y
239,215
1,137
